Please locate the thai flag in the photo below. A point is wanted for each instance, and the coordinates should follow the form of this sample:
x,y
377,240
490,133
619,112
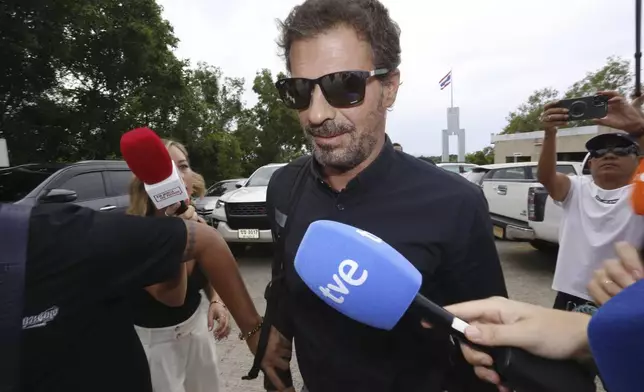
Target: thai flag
x,y
447,79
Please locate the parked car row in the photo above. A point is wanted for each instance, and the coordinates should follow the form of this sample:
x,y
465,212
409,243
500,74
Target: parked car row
x,y
100,185
235,207
519,205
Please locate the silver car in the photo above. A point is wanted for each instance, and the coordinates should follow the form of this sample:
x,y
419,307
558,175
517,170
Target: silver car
x,y
206,204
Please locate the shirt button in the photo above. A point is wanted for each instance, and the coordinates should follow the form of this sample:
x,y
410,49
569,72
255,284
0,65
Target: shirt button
x,y
340,207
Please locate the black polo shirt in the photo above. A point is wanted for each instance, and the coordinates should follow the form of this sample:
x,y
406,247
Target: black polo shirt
x,y
77,332
439,222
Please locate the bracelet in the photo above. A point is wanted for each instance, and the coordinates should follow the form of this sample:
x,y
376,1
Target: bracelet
x,y
247,335
216,301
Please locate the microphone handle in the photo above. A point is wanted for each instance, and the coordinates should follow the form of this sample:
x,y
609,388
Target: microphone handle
x,y
519,370
182,208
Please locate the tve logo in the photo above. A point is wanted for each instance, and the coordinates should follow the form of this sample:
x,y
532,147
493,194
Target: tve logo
x,y
366,234
346,272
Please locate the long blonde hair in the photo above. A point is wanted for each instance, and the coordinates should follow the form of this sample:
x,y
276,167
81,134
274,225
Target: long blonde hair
x,y
198,185
140,203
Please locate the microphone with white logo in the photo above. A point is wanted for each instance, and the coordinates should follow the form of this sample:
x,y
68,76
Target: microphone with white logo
x,y
364,278
149,160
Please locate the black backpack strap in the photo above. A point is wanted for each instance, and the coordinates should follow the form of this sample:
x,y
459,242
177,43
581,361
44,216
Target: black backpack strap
x,y
277,266
14,233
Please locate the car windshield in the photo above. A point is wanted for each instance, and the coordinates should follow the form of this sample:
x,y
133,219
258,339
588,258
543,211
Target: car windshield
x,y
475,176
17,182
452,168
262,176
221,187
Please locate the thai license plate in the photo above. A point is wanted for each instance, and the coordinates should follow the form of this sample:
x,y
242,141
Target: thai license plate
x,y
498,232
248,234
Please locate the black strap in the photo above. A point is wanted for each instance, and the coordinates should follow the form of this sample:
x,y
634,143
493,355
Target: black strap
x,y
277,268
14,232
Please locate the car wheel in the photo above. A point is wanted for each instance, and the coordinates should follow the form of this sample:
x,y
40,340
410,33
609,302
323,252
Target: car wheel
x,y
237,249
544,246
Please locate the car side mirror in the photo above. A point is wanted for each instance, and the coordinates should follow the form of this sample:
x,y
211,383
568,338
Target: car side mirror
x,y
59,196
239,184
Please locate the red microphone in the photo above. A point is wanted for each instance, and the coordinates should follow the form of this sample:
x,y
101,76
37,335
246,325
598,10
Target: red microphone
x,y
149,160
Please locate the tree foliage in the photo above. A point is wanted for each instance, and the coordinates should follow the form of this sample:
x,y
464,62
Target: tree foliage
x,y
76,75
614,75
481,157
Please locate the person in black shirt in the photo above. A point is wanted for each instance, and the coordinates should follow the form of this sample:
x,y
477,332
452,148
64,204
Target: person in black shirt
x,y
77,329
343,58
173,318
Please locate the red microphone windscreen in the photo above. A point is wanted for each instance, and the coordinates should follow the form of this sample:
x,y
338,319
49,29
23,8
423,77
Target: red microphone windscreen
x,y
146,155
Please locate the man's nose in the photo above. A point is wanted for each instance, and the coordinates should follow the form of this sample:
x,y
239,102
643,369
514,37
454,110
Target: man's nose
x,y
319,110
610,155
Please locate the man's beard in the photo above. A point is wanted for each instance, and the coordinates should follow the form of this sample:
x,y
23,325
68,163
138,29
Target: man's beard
x,y
342,159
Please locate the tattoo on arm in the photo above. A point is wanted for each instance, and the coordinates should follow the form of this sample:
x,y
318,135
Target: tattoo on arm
x,y
188,254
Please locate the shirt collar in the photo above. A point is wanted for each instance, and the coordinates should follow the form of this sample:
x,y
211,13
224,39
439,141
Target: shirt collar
x,y
371,175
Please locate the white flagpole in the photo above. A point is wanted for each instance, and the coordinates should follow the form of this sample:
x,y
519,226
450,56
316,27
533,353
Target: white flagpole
x,y
451,88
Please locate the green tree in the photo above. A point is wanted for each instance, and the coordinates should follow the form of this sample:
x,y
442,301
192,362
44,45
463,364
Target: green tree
x,y
76,74
269,132
614,75
210,108
526,117
482,157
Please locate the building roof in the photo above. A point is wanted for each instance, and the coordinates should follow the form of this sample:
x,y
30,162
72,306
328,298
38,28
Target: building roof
x,y
576,131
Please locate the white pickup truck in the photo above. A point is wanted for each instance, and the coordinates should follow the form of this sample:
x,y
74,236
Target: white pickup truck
x,y
520,207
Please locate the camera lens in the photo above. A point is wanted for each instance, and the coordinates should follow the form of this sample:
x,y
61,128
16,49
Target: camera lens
x,y
598,100
577,109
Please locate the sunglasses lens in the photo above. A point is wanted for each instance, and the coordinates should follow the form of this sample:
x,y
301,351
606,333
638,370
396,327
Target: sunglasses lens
x,y
342,89
295,92
621,151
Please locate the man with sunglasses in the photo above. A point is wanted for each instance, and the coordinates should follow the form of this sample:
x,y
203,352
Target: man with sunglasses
x,y
597,209
343,58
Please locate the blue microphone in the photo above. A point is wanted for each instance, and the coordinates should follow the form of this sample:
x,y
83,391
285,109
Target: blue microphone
x,y
364,278
616,336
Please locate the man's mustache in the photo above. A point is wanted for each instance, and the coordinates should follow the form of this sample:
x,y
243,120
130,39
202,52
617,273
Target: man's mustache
x,y
328,129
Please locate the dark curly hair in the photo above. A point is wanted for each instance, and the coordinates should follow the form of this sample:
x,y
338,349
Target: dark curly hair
x,y
369,18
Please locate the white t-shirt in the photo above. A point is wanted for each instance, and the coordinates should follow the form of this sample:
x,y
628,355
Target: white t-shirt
x,y
593,220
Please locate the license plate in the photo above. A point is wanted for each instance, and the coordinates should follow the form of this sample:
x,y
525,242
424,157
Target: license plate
x,y
248,234
498,232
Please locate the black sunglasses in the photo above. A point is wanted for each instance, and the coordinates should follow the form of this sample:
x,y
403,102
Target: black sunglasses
x,y
618,151
340,89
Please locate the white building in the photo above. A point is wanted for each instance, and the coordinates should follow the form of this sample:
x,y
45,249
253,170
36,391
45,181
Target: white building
x,y
526,147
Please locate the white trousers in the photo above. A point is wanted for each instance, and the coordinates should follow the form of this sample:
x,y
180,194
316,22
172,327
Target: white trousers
x,y
182,358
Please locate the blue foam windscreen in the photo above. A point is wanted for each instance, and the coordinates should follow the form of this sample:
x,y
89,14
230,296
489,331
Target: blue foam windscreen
x,y
616,336
357,273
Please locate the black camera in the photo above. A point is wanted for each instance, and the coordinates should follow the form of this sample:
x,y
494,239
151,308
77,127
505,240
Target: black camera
x,y
585,108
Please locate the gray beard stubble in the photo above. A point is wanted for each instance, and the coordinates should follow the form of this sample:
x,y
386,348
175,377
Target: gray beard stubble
x,y
344,159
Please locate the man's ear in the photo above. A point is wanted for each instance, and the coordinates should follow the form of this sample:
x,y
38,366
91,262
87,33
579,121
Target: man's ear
x,y
390,88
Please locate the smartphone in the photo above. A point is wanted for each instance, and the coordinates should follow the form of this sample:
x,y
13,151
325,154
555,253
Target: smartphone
x,y
585,108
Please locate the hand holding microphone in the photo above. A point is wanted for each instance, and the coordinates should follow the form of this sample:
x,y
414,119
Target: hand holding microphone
x,y
149,160
545,332
364,278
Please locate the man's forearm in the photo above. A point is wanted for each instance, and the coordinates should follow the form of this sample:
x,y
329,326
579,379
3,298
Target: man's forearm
x,y
220,268
547,168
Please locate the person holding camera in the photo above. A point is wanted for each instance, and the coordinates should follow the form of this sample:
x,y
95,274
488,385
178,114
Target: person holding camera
x,y
597,210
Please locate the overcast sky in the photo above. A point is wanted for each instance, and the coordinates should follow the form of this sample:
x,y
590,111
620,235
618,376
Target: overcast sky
x,y
500,51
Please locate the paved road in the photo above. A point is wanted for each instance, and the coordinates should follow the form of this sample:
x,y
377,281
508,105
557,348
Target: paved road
x,y
528,274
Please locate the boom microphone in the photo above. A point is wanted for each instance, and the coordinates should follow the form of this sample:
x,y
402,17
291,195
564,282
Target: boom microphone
x,y
364,278
149,160
617,342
